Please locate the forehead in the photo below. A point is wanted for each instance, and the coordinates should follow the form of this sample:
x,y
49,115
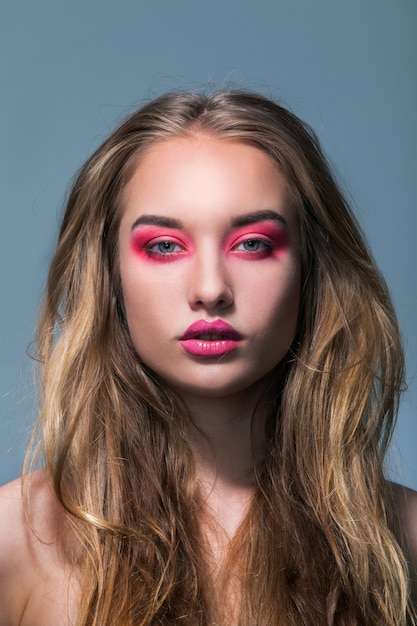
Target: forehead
x,y
207,175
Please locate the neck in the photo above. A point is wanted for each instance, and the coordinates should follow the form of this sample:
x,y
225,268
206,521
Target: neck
x,y
228,439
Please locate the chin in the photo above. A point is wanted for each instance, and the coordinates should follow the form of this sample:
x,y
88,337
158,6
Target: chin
x,y
223,389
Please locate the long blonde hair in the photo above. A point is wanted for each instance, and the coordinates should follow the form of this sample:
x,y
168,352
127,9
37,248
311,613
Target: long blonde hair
x,y
316,546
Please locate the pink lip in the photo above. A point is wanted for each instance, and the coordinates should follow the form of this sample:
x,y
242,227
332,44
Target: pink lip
x,y
224,338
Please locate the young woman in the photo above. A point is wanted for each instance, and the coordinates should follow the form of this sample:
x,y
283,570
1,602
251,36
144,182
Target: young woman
x,y
221,368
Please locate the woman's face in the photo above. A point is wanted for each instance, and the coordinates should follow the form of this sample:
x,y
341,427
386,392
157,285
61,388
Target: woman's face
x,y
209,264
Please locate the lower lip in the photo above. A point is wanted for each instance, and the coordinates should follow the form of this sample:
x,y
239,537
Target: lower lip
x,y
206,348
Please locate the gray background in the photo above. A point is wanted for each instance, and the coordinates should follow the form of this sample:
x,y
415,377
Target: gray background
x,y
71,70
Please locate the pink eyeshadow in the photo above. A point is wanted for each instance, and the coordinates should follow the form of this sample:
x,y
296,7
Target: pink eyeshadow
x,y
142,237
275,234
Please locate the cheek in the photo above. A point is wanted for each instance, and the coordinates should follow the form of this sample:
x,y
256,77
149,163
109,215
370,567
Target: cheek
x,y
137,296
276,301
145,322
148,301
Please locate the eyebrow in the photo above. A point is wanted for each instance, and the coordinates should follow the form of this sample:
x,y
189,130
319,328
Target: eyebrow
x,y
258,216
241,220
157,220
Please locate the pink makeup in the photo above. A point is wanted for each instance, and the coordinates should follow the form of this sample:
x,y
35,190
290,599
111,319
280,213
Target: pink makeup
x,y
210,339
155,244
258,241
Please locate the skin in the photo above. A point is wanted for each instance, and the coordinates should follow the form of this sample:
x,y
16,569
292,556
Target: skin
x,y
212,266
209,271
216,268
37,584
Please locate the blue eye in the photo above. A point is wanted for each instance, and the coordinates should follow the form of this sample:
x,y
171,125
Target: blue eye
x,y
252,245
165,247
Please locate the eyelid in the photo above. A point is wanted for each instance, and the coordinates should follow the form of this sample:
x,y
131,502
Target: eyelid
x,y
148,235
244,240
249,234
273,235
164,238
274,238
145,240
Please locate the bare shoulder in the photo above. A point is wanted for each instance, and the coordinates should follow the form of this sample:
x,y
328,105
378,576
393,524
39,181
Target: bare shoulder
x,y
405,502
14,587
33,566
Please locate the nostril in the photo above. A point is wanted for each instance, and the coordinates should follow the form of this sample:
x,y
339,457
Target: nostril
x,y
211,302
210,287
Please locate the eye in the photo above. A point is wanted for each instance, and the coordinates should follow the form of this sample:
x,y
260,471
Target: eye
x,y
252,245
164,247
150,244
253,248
164,250
259,241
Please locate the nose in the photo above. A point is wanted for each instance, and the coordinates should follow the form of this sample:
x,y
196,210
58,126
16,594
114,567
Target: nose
x,y
210,287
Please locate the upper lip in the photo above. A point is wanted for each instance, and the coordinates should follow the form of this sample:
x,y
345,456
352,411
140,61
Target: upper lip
x,y
218,328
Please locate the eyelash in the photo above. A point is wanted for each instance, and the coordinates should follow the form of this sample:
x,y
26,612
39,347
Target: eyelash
x,y
263,248
154,249
165,242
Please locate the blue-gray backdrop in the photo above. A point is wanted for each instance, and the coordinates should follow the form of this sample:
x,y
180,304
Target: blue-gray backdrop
x,y
70,70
